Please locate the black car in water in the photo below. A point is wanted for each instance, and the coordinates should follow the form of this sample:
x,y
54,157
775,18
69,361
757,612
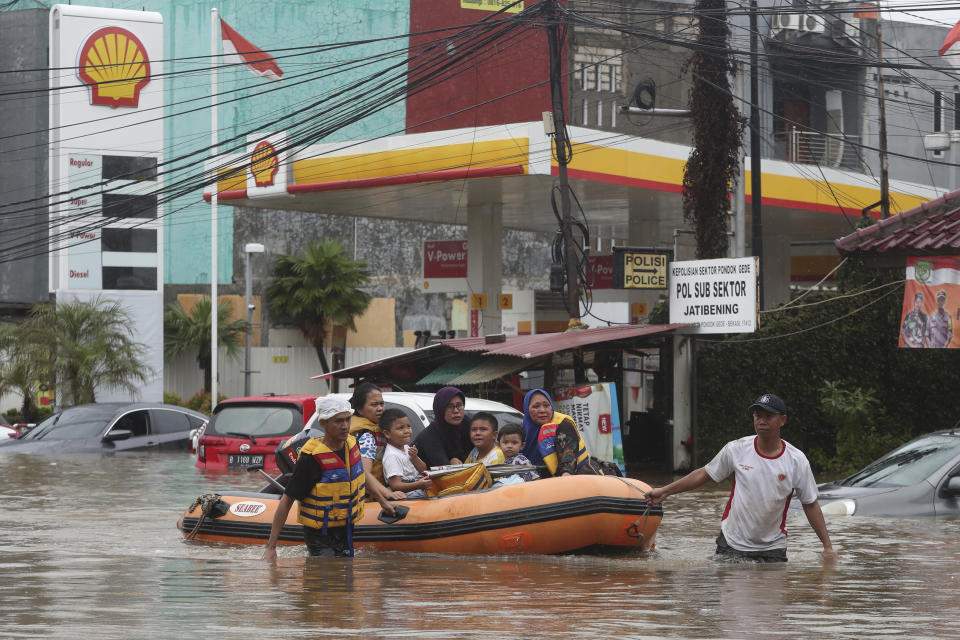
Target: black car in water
x,y
110,426
919,478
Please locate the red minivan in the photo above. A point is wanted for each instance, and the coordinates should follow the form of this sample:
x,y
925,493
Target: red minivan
x,y
246,431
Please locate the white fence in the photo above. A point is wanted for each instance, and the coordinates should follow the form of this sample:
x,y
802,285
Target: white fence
x,y
810,147
278,370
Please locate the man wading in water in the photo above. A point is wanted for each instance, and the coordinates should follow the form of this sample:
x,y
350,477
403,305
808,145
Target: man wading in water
x,y
766,471
328,482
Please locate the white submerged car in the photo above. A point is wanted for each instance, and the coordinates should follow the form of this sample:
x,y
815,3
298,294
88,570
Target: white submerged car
x,y
419,408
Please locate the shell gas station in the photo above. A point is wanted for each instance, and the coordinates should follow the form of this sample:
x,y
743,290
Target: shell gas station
x,y
501,177
488,168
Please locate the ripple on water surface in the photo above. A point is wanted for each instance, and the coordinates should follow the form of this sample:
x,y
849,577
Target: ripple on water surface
x,y
89,549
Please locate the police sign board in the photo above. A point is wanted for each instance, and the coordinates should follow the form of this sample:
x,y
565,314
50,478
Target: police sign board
x,y
718,296
635,268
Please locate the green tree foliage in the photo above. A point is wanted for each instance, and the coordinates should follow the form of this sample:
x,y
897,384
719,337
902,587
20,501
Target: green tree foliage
x,y
201,402
850,391
321,284
190,333
18,372
13,416
717,130
854,413
79,347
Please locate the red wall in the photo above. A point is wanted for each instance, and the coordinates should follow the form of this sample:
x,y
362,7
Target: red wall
x,y
509,65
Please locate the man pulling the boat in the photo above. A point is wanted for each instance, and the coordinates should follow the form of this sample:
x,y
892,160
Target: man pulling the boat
x,y
766,471
328,482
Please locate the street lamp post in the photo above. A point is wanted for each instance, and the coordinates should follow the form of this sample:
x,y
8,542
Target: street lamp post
x,y
248,249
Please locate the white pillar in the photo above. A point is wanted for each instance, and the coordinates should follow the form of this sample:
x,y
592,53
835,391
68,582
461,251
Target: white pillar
x,y
485,259
683,399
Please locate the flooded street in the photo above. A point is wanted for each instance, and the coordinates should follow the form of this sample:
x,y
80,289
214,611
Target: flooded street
x,y
89,549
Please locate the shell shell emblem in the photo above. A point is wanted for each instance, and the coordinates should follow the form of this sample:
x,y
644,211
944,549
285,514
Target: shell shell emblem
x,y
114,62
264,163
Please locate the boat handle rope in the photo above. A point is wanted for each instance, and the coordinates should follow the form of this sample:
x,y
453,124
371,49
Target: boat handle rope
x,y
635,530
206,502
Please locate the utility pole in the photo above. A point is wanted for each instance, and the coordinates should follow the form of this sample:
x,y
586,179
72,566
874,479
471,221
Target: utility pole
x,y
739,247
756,193
562,149
881,103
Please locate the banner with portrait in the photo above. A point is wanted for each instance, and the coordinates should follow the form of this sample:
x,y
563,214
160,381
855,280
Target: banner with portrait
x,y
931,303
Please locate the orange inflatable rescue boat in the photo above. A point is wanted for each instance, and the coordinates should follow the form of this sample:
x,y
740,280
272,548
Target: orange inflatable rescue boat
x,y
572,514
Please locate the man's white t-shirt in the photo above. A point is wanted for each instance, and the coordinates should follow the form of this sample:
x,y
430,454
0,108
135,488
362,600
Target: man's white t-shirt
x,y
396,462
756,512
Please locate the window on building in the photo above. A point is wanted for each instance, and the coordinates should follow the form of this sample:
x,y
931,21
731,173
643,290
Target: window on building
x,y
129,240
122,205
956,110
129,168
937,111
130,278
600,69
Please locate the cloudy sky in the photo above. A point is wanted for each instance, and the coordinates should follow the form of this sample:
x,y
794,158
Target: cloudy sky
x,y
945,12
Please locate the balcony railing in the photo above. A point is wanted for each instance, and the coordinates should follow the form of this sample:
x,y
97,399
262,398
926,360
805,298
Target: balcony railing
x,y
810,147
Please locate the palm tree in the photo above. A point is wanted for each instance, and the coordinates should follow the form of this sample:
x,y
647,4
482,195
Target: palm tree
x,y
188,332
17,371
79,347
322,284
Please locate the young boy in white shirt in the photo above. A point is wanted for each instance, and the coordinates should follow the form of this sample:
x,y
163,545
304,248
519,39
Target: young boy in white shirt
x,y
402,467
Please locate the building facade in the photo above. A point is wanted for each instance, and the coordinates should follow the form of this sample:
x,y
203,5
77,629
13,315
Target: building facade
x,y
819,140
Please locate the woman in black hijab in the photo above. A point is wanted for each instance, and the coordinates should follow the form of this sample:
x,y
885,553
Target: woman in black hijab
x,y
447,439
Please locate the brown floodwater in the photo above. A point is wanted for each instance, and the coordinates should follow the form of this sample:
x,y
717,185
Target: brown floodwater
x,y
89,549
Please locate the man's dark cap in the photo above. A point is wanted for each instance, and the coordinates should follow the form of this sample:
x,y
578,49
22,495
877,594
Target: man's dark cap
x,y
771,403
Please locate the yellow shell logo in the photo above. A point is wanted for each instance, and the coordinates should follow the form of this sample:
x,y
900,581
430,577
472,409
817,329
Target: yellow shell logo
x,y
115,64
264,164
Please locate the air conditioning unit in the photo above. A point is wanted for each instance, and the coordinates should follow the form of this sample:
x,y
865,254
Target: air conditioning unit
x,y
812,23
784,21
848,27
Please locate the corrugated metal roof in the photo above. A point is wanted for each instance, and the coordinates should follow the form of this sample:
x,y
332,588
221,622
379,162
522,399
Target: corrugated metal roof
x,y
490,368
451,368
933,227
430,351
541,344
492,358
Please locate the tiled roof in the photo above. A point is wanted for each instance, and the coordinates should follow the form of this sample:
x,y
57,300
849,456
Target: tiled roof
x,y
931,228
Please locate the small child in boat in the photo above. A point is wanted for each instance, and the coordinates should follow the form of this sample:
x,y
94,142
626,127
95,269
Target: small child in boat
x,y
511,441
483,435
402,467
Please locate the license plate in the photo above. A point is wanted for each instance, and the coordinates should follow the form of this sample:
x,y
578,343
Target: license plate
x,y
240,462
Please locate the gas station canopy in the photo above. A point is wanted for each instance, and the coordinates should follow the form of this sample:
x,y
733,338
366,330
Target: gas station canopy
x,y
617,179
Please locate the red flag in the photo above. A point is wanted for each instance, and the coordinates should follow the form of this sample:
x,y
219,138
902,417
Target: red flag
x,y
238,49
866,10
951,46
